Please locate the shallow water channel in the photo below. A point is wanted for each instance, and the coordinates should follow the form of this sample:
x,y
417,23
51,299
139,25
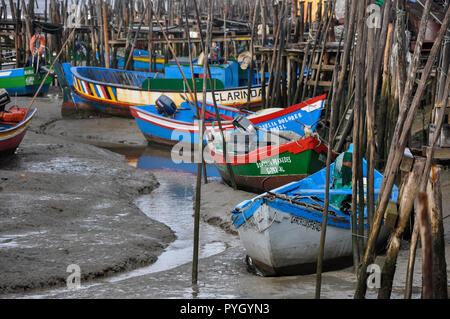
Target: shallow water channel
x,y
172,204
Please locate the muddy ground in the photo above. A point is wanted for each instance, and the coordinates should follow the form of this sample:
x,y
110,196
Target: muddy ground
x,y
82,213
63,203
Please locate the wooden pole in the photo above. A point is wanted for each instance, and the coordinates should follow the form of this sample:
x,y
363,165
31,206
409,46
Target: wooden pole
x,y
224,144
199,169
327,188
401,47
398,144
150,36
252,53
409,193
439,276
370,118
264,56
425,236
106,35
430,153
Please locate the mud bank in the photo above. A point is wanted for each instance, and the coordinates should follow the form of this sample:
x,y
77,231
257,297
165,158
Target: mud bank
x,y
218,201
65,203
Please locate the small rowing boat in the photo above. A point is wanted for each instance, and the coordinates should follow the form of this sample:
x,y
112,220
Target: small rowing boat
x,y
14,124
281,229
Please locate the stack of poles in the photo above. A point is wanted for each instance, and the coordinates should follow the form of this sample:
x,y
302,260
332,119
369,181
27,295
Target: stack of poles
x,y
414,185
364,73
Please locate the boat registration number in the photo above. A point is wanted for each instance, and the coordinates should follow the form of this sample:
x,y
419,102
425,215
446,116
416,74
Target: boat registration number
x,y
306,223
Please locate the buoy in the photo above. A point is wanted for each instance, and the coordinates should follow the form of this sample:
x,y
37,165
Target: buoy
x,y
41,39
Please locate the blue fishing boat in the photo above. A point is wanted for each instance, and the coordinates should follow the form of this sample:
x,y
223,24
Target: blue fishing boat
x,y
141,60
181,124
114,91
281,229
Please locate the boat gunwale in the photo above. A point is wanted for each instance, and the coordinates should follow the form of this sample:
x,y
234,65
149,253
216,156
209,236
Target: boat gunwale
x,y
21,124
137,88
263,153
254,120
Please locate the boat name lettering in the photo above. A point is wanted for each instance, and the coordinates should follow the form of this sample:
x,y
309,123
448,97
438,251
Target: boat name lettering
x,y
273,126
28,72
306,223
289,118
274,162
237,95
29,80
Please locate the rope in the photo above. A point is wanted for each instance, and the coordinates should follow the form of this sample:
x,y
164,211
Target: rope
x,y
360,236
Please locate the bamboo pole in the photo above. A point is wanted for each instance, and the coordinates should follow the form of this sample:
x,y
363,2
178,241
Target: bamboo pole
x,y
370,118
150,36
264,57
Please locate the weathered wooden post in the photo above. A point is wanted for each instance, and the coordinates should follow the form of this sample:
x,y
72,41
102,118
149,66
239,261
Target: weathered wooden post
x,y
410,189
327,186
106,35
427,252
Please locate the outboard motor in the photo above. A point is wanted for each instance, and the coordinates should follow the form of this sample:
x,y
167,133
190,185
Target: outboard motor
x,y
4,99
165,106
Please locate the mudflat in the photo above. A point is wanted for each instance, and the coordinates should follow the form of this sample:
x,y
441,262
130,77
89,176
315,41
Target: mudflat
x,y
67,203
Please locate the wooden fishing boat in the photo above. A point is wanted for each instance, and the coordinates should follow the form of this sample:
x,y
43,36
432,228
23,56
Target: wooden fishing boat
x,y
141,60
114,91
183,125
24,81
259,166
14,124
281,229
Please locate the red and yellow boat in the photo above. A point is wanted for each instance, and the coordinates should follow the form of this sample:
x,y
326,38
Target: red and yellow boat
x,y
14,124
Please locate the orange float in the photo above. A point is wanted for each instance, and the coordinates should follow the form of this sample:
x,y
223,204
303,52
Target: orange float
x,y
41,40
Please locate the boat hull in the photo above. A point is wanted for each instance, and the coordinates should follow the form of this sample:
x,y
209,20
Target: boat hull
x,y
114,98
12,135
274,167
164,130
117,101
289,244
281,230
23,81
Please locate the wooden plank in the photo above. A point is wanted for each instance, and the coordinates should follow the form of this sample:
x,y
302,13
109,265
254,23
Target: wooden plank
x,y
321,83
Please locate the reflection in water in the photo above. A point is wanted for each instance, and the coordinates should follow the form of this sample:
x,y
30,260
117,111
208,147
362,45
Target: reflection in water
x,y
153,158
172,204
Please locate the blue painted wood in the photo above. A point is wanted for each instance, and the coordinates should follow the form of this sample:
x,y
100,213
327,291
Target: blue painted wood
x,y
312,186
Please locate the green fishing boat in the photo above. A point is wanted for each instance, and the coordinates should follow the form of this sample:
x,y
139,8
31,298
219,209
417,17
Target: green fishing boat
x,y
259,169
24,81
